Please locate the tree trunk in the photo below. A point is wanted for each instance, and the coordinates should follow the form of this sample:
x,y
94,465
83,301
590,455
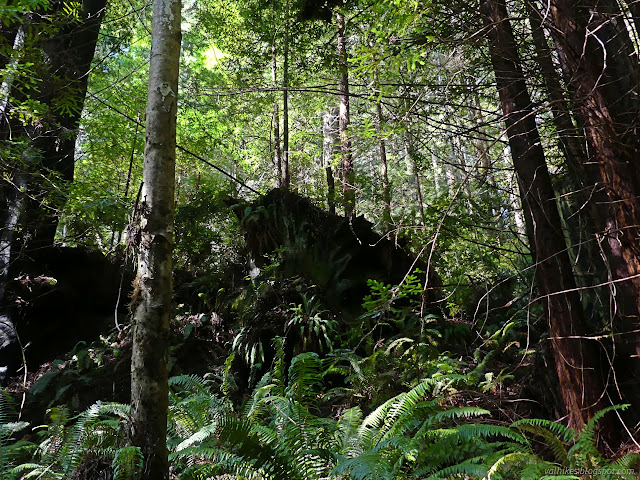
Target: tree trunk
x,y
384,169
43,149
481,144
582,196
66,56
7,39
598,57
415,170
576,357
284,174
329,148
277,152
331,190
348,174
153,284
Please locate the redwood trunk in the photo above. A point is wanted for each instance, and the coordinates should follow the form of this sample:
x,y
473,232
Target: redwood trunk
x,y
580,188
597,55
66,58
576,358
45,148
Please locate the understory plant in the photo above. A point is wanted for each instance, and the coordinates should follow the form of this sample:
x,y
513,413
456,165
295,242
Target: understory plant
x,y
69,444
287,430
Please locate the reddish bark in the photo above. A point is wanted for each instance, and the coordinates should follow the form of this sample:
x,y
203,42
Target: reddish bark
x,y
576,357
597,55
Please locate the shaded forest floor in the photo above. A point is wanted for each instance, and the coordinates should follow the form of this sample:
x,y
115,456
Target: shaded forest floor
x,y
337,320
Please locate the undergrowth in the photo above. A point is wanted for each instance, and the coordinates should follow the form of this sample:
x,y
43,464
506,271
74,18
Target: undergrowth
x,y
400,407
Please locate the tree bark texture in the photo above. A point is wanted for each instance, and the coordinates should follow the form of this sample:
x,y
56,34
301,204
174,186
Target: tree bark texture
x,y
412,154
330,147
576,357
384,169
285,179
347,171
582,193
43,148
277,151
153,284
48,143
597,55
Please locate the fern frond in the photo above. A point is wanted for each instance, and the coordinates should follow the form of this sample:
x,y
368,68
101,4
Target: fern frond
x,y
121,410
256,407
468,468
279,366
198,437
586,441
474,376
348,426
127,463
35,470
481,430
630,460
190,383
305,377
459,412
367,466
265,434
565,434
264,457
511,459
555,443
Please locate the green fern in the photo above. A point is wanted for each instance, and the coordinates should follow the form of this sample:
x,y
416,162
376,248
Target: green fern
x,y
572,450
526,464
555,435
305,377
586,439
99,430
12,452
127,463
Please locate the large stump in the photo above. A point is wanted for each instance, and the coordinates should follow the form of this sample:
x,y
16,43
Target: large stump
x,y
336,254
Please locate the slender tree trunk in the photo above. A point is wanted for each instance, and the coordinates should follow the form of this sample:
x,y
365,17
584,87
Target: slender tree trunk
x,y
331,190
277,152
7,39
127,184
329,148
348,173
7,81
411,152
576,357
285,102
598,58
384,169
481,144
11,192
153,284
